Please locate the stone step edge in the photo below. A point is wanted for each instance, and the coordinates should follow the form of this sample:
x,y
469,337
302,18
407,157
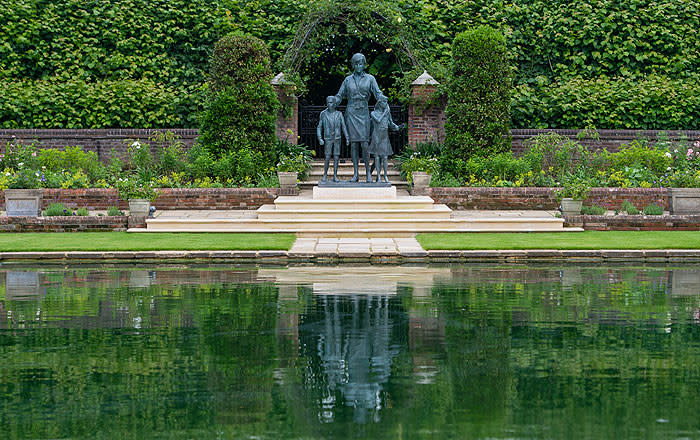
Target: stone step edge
x,y
485,220
437,208
437,255
386,232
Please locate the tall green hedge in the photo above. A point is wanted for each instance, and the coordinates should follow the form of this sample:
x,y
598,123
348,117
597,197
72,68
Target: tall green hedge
x,y
241,105
478,106
553,45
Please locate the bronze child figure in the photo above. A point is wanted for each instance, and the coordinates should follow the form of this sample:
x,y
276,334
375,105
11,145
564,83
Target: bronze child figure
x,y
328,132
380,146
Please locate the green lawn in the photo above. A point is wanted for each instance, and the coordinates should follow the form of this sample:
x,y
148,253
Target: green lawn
x,y
564,240
123,241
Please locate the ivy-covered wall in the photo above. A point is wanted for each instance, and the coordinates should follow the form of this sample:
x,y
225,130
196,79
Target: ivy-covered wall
x,y
142,63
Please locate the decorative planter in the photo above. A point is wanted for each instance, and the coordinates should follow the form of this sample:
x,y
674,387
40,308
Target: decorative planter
x,y
288,183
287,179
23,202
684,200
139,207
421,182
570,207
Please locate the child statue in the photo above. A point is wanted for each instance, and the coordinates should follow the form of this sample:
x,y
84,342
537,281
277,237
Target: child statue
x,y
328,132
379,145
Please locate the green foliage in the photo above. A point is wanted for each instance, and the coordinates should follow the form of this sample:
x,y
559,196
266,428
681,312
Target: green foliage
x,y
653,210
478,108
74,103
57,210
654,102
592,210
114,211
241,105
139,63
574,188
629,208
72,158
132,188
82,212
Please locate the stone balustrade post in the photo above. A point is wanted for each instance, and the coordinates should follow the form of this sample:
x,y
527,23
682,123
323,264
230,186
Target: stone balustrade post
x,y
287,125
426,119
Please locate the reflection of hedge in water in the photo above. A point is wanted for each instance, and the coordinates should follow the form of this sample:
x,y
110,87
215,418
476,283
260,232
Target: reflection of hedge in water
x,y
521,345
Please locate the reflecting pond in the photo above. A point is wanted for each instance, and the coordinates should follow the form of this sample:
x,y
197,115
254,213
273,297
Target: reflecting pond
x,y
312,352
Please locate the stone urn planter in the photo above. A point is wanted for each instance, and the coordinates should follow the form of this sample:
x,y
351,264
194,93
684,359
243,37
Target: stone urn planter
x,y
288,183
23,202
421,182
684,200
139,207
571,207
287,179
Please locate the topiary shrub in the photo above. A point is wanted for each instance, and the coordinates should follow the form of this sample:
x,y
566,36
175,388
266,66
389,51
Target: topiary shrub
x,y
478,108
241,104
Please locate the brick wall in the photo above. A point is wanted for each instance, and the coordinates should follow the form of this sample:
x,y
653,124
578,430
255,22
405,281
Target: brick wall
x,y
63,224
168,198
214,198
426,123
635,222
101,141
542,198
287,121
608,139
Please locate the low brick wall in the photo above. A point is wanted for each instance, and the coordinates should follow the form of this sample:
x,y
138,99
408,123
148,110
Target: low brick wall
x,y
635,222
63,224
214,198
542,198
168,198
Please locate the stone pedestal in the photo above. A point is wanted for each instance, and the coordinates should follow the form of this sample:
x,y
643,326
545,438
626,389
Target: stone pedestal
x,y
354,193
684,200
23,202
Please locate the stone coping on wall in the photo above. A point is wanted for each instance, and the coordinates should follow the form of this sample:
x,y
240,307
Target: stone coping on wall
x,y
437,256
458,198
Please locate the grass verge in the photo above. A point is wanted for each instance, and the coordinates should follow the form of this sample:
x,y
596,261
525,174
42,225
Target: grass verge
x,y
123,241
589,240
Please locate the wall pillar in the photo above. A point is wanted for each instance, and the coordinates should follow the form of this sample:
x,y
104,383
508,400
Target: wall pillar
x,y
426,119
287,125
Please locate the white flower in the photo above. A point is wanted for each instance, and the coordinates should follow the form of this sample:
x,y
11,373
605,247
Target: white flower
x,y
20,164
668,169
136,144
668,154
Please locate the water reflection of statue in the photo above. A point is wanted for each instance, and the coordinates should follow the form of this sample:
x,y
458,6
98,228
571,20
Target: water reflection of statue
x,y
358,87
353,342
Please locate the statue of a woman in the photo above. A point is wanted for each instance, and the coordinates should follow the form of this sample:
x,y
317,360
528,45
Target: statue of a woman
x,y
357,88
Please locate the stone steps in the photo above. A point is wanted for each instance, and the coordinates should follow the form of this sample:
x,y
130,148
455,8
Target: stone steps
x,y
356,212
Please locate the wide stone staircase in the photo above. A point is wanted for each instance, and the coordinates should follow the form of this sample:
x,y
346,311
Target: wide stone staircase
x,y
355,212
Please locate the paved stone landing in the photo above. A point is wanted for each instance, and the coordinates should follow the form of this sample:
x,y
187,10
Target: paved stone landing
x,y
356,247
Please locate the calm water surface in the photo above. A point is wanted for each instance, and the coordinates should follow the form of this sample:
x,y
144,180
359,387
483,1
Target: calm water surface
x,y
381,352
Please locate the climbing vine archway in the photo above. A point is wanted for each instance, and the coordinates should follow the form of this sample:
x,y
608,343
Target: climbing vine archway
x,y
330,21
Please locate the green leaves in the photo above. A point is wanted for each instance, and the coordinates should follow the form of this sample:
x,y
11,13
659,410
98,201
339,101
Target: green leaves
x,y
478,106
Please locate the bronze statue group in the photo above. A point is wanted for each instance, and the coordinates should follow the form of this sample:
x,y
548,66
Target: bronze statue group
x,y
362,130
